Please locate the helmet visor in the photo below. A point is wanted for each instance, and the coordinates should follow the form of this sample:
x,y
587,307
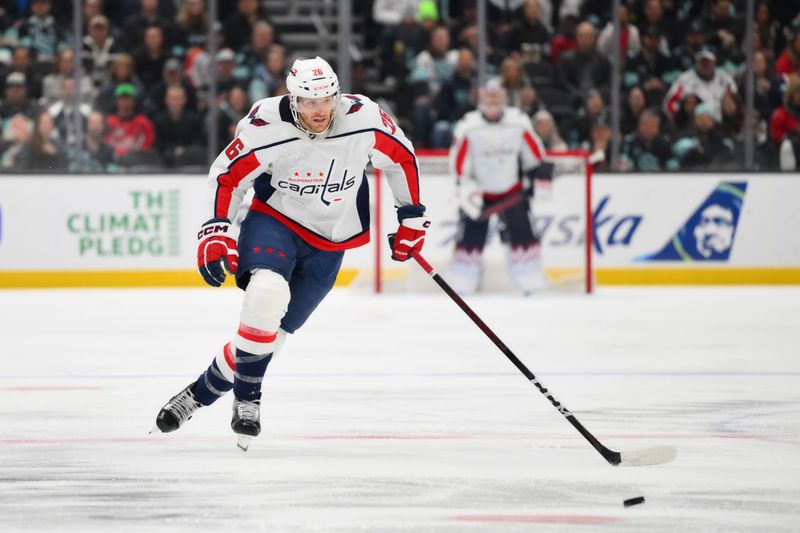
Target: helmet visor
x,y
315,105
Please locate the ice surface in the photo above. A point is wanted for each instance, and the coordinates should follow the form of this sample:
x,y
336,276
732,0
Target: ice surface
x,y
395,413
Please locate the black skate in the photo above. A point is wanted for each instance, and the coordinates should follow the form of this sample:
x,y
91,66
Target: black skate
x,y
177,410
246,421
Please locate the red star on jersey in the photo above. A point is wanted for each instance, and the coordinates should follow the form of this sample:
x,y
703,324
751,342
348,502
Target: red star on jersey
x,y
308,174
270,250
321,174
281,254
296,173
257,249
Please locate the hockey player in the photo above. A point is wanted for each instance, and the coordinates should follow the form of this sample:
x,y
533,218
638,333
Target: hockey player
x,y
495,157
304,154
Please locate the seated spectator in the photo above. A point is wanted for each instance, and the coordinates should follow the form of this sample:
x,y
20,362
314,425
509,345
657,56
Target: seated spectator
x,y
584,69
528,30
768,29
432,68
225,72
683,121
529,101
149,58
457,96
96,156
565,40
41,32
789,61
706,147
239,26
391,15
21,62
765,83
16,101
234,106
592,112
653,17
723,30
269,75
43,151
64,111
136,25
253,54
99,51
89,10
684,56
629,42
193,23
179,132
545,127
52,85
16,133
512,79
705,80
634,105
732,110
650,69
121,72
129,134
171,75
646,150
785,119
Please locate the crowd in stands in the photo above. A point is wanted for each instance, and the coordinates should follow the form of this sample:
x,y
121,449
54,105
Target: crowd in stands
x,y
142,101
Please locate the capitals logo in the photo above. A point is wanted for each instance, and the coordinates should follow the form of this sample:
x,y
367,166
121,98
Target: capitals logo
x,y
318,183
709,233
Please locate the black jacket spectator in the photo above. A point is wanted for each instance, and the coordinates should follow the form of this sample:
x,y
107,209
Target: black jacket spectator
x,y
646,150
179,132
584,69
239,26
527,30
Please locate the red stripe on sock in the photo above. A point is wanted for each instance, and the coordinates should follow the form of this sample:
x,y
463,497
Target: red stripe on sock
x,y
256,335
230,358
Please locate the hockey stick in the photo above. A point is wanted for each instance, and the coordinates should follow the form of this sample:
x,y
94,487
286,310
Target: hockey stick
x,y
501,206
644,457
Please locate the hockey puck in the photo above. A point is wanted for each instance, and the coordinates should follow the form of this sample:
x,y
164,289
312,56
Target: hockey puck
x,y
633,501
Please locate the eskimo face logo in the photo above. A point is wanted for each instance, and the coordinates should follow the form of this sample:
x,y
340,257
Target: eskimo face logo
x,y
713,234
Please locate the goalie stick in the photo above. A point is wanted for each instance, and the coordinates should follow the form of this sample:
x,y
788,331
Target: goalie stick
x,y
644,457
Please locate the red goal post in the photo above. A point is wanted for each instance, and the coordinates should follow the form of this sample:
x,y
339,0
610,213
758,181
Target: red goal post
x,y
574,163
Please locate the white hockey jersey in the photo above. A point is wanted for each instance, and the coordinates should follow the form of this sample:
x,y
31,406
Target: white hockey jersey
x,y
495,154
710,91
315,186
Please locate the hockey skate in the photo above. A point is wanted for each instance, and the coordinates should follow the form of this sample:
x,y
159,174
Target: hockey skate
x,y
177,410
246,421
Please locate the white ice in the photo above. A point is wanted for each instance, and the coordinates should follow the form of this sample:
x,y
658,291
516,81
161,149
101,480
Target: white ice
x,y
394,413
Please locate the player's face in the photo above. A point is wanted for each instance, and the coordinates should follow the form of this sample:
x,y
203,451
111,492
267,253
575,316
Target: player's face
x,y
315,113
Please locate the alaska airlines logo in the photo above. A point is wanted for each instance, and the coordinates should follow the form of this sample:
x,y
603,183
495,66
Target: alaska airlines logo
x,y
318,183
709,233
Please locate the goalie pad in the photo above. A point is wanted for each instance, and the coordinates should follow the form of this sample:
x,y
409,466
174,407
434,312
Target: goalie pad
x,y
525,268
465,270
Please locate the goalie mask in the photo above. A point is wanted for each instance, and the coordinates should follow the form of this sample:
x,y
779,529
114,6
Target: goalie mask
x,y
492,101
313,91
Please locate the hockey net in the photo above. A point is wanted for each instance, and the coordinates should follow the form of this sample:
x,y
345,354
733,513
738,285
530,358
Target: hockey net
x,y
562,215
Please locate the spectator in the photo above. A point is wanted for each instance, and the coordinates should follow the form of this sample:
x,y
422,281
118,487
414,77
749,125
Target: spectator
x,y
225,71
149,59
90,9
784,120
52,85
589,115
171,75
15,135
732,109
268,76
40,31
650,68
767,29
391,15
42,151
723,30
584,69
653,17
683,120
705,80
21,62
635,104
629,42
789,61
136,25
193,23
129,134
233,108
16,101
179,132
457,96
529,30
100,50
529,100
512,79
706,147
121,72
63,112
432,68
253,54
646,150
97,155
764,84
684,56
545,126
566,40
239,26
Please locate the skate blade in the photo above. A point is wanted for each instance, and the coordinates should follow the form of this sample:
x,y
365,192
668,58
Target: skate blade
x,y
243,442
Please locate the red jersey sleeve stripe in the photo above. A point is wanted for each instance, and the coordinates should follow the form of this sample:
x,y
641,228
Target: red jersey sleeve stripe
x,y
674,101
228,181
533,145
461,156
397,152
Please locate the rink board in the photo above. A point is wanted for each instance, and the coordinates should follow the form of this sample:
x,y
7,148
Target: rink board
x,y
140,230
